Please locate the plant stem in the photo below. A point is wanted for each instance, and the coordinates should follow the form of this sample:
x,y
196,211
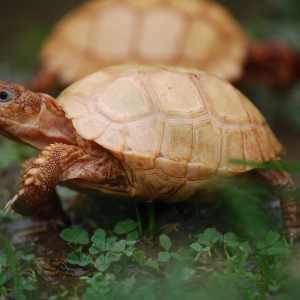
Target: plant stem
x,y
14,271
151,218
138,219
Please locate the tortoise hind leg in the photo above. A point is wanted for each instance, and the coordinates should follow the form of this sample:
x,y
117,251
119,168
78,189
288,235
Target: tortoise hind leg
x,y
285,189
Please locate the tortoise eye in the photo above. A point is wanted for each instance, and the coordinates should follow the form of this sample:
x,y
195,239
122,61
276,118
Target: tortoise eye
x,y
6,96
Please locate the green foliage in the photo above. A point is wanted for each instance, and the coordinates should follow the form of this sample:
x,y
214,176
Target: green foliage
x,y
14,154
221,260
103,251
60,296
210,235
14,274
165,242
127,227
75,237
210,247
108,287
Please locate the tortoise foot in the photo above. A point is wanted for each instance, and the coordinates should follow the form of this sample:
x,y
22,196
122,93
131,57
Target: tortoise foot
x,y
50,214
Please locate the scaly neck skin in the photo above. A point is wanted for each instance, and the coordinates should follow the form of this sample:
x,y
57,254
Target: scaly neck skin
x,y
32,118
52,125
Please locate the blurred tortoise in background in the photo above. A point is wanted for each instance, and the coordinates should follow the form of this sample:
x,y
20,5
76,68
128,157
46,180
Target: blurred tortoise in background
x,y
143,132
190,33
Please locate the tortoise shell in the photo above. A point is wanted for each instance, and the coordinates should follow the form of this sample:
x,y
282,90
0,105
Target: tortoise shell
x,y
173,129
189,33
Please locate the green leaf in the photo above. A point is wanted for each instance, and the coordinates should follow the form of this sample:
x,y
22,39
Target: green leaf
x,y
272,237
26,284
85,260
196,246
101,264
165,242
263,266
27,258
139,256
279,247
187,273
119,246
176,256
3,259
130,242
111,257
94,250
164,256
210,235
99,238
125,226
110,243
231,239
129,251
152,264
260,245
2,278
60,296
245,247
73,259
104,290
273,286
127,285
144,292
29,287
76,235
132,236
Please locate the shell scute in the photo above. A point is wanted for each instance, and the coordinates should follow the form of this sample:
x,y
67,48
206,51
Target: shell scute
x,y
251,145
207,146
159,186
226,103
171,168
176,94
234,150
177,141
149,143
161,33
91,126
139,160
102,40
76,107
124,99
113,138
81,89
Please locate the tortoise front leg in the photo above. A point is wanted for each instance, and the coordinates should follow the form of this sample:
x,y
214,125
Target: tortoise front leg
x,y
61,162
51,212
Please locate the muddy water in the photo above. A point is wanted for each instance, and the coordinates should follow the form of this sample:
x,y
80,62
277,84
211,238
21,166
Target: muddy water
x,y
24,24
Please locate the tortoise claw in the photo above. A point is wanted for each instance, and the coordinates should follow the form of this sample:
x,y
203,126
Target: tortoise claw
x,y
8,206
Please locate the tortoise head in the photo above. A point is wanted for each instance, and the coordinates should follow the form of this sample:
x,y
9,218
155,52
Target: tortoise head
x,y
32,118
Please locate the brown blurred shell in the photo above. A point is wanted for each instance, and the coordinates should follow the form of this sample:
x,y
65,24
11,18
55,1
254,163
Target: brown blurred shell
x,y
175,129
189,33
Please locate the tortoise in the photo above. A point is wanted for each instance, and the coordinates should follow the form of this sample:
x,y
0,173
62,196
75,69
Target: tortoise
x,y
144,132
191,33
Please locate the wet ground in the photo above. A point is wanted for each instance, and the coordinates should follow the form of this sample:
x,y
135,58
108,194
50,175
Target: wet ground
x,y
23,27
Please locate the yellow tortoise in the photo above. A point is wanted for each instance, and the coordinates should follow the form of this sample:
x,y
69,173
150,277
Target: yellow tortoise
x,y
142,132
191,33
